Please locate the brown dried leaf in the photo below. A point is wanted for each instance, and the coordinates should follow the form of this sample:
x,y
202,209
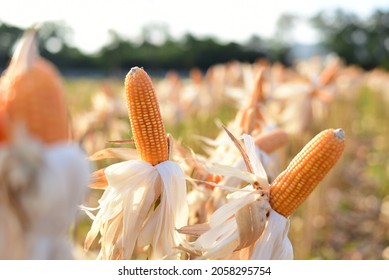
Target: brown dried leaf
x,y
242,150
194,230
99,181
251,221
124,141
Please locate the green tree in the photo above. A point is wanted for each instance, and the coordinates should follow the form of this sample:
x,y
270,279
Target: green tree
x,y
8,36
282,40
357,41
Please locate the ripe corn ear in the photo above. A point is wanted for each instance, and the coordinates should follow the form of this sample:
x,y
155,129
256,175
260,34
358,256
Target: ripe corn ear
x,y
290,189
34,94
271,141
145,117
3,129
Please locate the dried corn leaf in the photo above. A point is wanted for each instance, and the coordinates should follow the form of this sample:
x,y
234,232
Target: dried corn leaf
x,y
274,243
230,171
99,181
119,153
251,221
127,219
241,150
194,230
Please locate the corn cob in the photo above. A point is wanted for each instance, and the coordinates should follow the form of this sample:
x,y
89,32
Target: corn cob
x,y
34,94
271,141
145,117
3,126
289,190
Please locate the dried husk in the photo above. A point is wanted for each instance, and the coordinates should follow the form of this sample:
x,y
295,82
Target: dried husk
x,y
127,217
45,185
251,221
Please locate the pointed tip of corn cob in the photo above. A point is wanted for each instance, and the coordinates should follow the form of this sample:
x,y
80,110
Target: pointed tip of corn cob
x,y
291,188
339,133
133,71
145,117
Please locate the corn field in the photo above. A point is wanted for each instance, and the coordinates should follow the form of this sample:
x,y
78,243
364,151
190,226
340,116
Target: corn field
x,y
242,161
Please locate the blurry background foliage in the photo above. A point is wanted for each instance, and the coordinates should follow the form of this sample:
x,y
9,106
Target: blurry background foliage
x,y
364,42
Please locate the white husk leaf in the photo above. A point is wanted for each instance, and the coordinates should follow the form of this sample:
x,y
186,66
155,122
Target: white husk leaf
x,y
134,187
222,238
274,243
48,183
257,166
235,171
62,185
127,200
230,171
229,209
171,214
220,241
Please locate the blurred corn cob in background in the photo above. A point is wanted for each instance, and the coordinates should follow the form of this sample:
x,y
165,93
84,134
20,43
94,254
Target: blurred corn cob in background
x,y
33,94
43,174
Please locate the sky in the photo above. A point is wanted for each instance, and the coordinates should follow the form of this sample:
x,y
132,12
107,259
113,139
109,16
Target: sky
x,y
226,20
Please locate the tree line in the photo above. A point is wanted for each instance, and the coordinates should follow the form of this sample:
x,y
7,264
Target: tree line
x,y
364,42
120,53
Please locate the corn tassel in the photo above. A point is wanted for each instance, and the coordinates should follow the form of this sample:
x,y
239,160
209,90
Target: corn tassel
x,y
290,189
145,117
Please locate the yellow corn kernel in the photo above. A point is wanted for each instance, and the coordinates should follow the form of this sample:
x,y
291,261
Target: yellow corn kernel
x,y
290,189
145,117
